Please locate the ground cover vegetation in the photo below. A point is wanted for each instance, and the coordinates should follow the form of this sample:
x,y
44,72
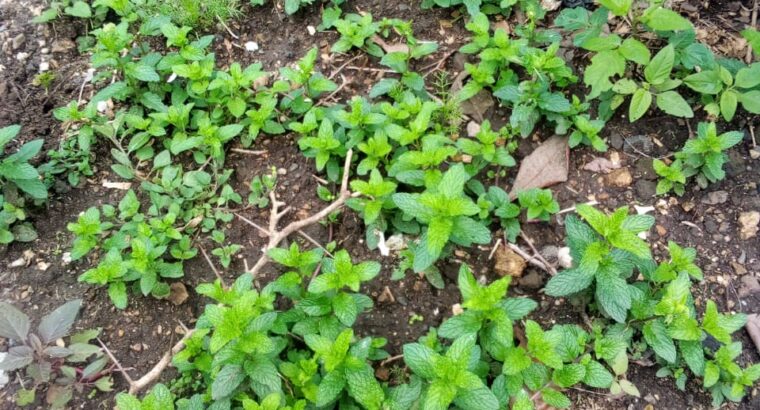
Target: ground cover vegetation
x,y
403,167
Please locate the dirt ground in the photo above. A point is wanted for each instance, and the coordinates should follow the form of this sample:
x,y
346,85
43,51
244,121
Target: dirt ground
x,y
706,220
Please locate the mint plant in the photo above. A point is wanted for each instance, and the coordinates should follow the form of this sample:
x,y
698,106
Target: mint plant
x,y
658,85
704,156
539,203
20,183
604,254
446,212
672,177
59,368
723,92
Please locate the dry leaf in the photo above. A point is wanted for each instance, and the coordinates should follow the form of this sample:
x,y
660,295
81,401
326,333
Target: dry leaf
x,y
601,165
545,166
391,48
117,185
178,294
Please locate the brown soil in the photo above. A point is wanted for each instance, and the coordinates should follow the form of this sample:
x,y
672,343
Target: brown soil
x,y
139,335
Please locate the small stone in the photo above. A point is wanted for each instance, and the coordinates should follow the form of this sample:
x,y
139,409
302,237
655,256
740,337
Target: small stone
x,y
22,57
533,280
251,46
687,206
311,30
18,41
550,253
3,375
564,258
44,66
45,50
457,309
282,171
137,347
645,188
638,145
619,178
473,128
715,198
748,222
62,45
754,153
749,286
661,230
739,269
508,263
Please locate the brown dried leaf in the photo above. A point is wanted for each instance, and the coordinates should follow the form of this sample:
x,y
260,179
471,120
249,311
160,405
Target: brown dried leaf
x,y
391,48
178,294
545,166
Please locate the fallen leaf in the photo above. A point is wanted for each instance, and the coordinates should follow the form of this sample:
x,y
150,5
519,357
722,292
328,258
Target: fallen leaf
x,y
391,48
545,166
476,106
601,165
178,294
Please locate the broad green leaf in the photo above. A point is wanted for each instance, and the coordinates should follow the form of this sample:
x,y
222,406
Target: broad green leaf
x,y
639,105
658,70
672,103
656,335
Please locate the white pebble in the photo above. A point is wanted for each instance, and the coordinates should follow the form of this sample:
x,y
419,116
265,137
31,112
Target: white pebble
x,y
251,46
311,30
44,66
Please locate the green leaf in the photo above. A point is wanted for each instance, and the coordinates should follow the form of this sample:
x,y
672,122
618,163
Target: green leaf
x,y
419,358
751,101
79,9
753,38
663,19
477,399
658,70
656,335
635,51
705,82
117,292
145,73
672,103
568,282
7,134
555,399
569,375
694,356
226,381
721,326
330,388
728,102
640,102
363,387
617,7
597,375
612,294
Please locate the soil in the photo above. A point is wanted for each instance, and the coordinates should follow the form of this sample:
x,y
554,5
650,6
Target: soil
x,y
140,334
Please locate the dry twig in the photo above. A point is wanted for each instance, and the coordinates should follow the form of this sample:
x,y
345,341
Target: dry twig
x,y
152,375
276,236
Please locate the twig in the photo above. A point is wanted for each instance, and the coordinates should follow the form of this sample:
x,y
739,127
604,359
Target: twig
x,y
213,268
370,69
119,367
391,359
349,61
300,232
437,65
248,151
275,236
537,254
332,94
152,375
530,259
748,58
752,134
227,28
572,208
495,247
